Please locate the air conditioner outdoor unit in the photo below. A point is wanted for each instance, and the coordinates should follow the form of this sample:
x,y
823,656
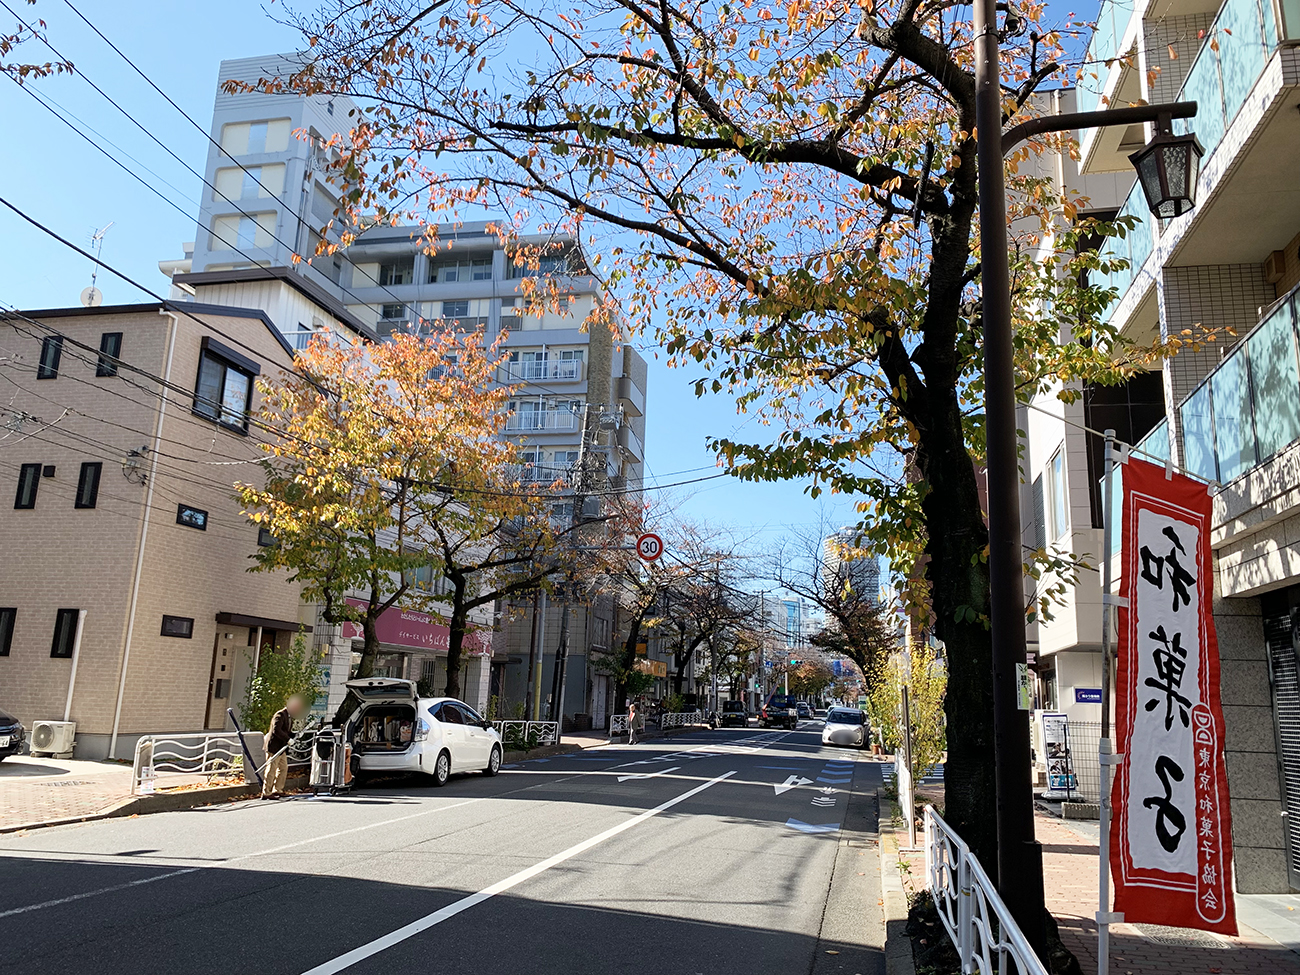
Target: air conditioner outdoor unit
x,y
53,737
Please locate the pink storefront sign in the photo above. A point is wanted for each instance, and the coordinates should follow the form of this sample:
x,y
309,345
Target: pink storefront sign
x,y
414,631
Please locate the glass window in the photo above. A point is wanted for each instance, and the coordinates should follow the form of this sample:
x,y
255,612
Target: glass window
x,y
449,714
455,309
256,137
110,351
88,485
65,632
393,312
223,392
1198,434
29,479
1275,382
397,272
1057,497
51,352
8,617
471,716
192,517
1234,431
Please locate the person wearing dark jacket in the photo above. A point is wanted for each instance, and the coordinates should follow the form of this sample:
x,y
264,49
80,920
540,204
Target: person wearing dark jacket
x,y
277,740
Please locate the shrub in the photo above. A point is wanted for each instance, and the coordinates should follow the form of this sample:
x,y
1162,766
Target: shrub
x,y
280,675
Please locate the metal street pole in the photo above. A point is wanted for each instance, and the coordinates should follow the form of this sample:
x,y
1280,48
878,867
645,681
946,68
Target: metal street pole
x,y
1020,857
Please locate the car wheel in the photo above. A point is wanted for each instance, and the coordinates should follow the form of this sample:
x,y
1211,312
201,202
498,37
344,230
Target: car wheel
x,y
494,762
442,768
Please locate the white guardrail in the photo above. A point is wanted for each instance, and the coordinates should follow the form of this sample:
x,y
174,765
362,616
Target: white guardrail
x,y
682,719
528,734
979,924
617,725
199,757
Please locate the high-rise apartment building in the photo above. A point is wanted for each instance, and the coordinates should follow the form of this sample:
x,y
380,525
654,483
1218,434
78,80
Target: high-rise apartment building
x,y
861,574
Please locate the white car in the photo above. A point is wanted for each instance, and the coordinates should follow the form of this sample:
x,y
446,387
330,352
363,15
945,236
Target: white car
x,y
395,730
845,726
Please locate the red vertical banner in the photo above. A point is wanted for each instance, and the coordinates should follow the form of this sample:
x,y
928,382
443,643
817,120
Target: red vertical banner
x,y
1171,828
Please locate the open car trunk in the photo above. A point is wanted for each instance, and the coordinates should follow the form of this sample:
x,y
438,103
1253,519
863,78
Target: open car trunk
x,y
383,728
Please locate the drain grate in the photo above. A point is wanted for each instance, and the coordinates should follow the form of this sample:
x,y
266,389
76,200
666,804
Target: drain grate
x,y
1180,937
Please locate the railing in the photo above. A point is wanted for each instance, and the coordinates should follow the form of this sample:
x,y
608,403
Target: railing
x,y
540,473
1134,247
542,420
1112,22
1236,49
522,735
682,719
1248,408
617,725
979,924
203,756
1153,448
560,370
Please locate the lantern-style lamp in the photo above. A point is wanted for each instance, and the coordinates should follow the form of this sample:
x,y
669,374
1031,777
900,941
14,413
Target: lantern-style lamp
x,y
1167,168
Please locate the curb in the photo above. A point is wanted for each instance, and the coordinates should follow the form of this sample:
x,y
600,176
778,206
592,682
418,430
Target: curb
x,y
543,751
898,946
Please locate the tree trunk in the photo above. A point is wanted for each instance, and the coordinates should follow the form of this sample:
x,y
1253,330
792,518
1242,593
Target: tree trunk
x,y
627,663
456,637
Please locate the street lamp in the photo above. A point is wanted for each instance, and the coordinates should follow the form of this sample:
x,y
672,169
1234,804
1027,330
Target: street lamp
x,y
1167,169
1172,170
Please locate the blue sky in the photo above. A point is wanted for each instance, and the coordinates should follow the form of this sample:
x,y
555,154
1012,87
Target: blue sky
x,y
56,177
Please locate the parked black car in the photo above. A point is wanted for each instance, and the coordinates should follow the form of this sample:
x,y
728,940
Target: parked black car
x,y
734,713
11,735
781,710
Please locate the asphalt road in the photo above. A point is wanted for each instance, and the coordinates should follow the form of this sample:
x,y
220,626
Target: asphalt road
x,y
685,856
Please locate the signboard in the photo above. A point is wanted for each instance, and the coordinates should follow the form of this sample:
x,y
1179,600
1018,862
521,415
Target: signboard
x,y
649,546
1087,695
1024,688
1171,838
655,668
414,631
1056,746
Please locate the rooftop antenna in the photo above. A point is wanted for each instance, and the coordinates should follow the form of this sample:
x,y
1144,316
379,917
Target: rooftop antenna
x,y
92,297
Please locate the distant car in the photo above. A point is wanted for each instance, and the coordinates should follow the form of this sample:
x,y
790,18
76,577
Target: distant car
x,y
734,713
781,711
819,712
845,726
11,735
804,710
396,730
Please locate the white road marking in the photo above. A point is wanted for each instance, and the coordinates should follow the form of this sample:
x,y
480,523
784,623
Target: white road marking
x,y
223,863
791,782
648,775
348,959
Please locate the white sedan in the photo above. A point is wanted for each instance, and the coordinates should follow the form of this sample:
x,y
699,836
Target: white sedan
x,y
395,730
845,726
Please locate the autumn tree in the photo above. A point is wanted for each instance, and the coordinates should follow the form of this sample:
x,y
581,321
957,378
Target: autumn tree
x,y
367,446
788,190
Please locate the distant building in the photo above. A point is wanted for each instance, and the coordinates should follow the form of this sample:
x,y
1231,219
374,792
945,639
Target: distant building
x,y
861,574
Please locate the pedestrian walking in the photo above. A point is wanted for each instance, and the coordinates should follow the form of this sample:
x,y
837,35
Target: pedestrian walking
x,y
631,723
277,740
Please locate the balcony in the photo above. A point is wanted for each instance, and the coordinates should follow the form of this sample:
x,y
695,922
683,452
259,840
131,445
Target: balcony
x,y
631,443
540,473
631,396
544,370
542,421
1112,24
1248,409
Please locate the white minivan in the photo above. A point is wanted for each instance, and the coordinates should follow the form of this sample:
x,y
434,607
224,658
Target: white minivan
x,y
393,729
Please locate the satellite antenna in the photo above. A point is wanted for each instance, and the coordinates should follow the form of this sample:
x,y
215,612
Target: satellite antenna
x,y
92,297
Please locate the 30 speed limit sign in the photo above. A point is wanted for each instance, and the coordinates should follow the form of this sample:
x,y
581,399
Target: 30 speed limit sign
x,y
649,546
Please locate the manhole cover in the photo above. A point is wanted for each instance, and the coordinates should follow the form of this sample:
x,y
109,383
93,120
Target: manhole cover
x,y
1180,937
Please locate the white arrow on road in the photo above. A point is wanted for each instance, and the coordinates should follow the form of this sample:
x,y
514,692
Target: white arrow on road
x,y
791,782
648,775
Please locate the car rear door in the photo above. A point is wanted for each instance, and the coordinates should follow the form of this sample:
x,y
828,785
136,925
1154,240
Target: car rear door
x,y
451,725
478,740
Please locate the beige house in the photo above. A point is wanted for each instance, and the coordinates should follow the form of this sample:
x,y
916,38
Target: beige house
x,y
126,604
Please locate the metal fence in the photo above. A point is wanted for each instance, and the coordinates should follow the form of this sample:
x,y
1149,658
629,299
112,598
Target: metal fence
x,y
200,757
520,735
1084,737
682,719
617,724
979,924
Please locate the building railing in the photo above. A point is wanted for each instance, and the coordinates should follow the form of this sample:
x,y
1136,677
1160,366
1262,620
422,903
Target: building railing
x,y
521,735
1112,22
1154,448
617,725
558,420
540,473
1248,408
203,756
1134,247
978,922
672,719
536,370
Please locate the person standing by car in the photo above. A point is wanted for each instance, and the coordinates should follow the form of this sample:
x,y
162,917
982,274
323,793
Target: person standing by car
x,y
631,722
277,740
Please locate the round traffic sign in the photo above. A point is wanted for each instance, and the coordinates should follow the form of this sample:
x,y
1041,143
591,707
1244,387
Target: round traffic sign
x,y
649,546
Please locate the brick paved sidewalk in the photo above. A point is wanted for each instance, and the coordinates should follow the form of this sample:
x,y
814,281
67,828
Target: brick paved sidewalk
x,y
1070,880
41,790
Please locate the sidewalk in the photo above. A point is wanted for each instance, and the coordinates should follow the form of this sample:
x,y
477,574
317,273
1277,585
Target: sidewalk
x,y
1070,880
42,790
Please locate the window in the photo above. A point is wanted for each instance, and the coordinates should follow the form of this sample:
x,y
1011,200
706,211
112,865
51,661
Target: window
x,y
247,138
51,352
88,485
242,231
225,386
110,351
65,632
29,478
8,617
1056,495
448,713
393,312
236,183
473,269
397,272
191,517
181,627
264,538
455,309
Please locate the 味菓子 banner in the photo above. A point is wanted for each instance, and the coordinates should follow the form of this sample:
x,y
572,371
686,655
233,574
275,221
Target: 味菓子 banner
x,y
1171,832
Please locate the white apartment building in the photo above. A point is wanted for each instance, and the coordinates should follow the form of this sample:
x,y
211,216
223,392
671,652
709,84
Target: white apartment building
x,y
1229,413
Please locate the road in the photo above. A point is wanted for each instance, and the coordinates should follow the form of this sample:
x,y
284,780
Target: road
x,y
714,853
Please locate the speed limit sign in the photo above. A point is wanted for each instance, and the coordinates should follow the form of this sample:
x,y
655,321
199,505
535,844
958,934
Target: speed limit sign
x,y
649,546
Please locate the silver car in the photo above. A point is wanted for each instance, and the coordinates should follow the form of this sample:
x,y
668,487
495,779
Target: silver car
x,y
845,726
